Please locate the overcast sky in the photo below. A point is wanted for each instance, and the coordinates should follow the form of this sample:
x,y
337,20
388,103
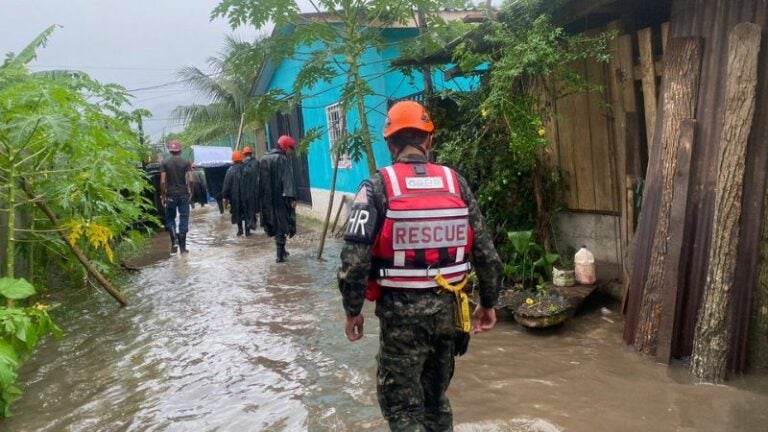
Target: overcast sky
x,y
135,43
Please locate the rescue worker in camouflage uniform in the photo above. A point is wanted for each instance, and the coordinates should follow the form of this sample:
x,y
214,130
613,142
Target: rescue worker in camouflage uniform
x,y
278,194
412,234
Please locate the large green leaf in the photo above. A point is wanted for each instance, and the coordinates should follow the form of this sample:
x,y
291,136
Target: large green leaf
x,y
521,241
16,288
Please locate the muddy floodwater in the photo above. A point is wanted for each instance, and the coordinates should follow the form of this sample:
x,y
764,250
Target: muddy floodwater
x,y
225,339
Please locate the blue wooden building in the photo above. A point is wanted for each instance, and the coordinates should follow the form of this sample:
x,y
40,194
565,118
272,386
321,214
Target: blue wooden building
x,y
320,107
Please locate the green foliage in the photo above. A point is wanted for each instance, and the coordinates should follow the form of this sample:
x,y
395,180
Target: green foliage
x,y
499,136
66,142
228,91
20,331
527,262
345,30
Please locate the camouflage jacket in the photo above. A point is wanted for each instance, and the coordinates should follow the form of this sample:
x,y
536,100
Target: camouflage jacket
x,y
356,262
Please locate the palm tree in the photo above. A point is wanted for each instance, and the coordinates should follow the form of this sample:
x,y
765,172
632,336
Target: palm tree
x,y
229,91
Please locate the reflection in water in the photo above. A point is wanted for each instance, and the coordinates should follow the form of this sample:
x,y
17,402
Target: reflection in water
x,y
225,339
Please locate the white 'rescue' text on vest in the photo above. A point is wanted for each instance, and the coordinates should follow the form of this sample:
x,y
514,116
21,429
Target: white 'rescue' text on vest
x,y
429,234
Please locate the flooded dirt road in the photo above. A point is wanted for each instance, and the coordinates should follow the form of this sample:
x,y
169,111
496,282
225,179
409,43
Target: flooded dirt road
x,y
225,339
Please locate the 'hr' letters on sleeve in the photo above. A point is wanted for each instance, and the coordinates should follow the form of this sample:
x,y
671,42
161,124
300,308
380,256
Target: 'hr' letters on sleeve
x,y
361,223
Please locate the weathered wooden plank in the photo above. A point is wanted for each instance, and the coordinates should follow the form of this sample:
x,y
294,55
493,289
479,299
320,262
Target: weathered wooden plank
x,y
603,167
681,84
711,341
645,43
672,272
632,169
575,152
619,129
625,74
664,36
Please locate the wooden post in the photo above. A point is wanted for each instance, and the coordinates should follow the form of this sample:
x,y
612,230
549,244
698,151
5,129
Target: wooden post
x,y
711,341
336,154
664,36
673,269
649,81
681,85
338,213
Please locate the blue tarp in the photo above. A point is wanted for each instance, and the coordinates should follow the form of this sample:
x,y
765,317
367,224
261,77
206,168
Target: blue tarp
x,y
210,157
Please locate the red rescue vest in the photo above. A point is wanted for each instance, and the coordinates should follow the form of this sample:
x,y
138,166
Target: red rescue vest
x,y
426,229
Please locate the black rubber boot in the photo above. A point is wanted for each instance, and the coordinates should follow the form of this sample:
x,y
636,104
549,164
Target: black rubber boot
x,y
280,254
239,228
247,229
183,243
174,245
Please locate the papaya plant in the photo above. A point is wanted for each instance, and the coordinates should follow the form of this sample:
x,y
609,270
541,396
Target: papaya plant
x,y
71,181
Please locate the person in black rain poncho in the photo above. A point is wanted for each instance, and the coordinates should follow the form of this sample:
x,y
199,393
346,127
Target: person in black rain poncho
x,y
278,194
250,193
232,191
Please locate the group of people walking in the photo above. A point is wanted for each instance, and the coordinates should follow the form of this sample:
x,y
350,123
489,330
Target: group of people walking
x,y
254,190
412,237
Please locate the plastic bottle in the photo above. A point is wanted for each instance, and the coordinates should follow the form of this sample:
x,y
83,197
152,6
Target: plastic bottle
x,y
585,267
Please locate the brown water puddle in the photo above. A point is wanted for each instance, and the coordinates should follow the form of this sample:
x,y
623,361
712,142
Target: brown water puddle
x,y
224,339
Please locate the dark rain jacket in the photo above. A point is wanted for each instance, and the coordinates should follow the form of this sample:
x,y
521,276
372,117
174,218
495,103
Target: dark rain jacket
x,y
278,192
214,179
232,192
200,191
249,192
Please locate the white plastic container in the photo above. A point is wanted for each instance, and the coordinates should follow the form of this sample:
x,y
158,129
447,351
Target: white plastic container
x,y
584,265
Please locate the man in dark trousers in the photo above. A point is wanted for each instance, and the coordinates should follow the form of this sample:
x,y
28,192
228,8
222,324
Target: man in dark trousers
x,y
232,191
250,190
413,234
278,194
176,186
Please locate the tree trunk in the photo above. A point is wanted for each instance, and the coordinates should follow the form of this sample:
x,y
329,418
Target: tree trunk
x,y
681,82
711,340
758,356
86,263
426,70
354,70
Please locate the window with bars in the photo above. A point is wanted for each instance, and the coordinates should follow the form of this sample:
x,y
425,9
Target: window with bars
x,y
337,128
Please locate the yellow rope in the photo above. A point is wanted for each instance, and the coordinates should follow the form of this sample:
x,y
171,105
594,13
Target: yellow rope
x,y
463,321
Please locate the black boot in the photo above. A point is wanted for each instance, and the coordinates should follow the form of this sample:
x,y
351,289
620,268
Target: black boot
x,y
183,243
247,229
239,228
280,254
174,245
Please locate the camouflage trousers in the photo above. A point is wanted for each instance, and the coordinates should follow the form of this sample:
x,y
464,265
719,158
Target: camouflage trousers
x,y
415,366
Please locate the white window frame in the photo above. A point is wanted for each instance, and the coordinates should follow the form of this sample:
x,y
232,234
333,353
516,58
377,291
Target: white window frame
x,y
336,123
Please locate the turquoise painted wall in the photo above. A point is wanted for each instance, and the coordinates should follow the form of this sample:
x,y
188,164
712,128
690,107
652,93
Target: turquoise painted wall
x,y
385,83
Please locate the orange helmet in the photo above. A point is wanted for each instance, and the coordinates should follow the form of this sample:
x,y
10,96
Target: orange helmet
x,y
407,115
247,150
237,156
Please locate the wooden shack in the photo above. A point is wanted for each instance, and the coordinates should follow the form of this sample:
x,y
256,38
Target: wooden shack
x,y
649,156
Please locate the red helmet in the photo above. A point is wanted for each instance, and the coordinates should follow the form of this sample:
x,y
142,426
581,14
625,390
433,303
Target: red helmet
x,y
174,146
247,150
285,142
237,156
